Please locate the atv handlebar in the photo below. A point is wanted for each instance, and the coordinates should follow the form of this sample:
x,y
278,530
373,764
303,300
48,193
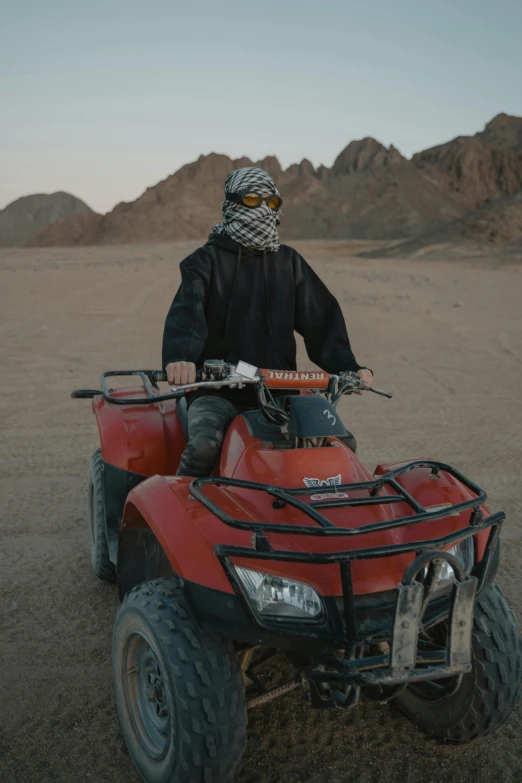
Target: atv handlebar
x,y
242,373
218,374
158,376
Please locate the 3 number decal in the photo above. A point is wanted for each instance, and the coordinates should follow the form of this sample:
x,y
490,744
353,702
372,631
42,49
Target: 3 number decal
x,y
329,415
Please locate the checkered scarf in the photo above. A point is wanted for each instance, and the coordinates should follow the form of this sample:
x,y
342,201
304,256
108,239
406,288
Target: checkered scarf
x,y
254,228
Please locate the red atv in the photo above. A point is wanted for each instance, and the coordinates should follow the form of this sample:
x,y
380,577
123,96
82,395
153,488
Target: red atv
x,y
371,585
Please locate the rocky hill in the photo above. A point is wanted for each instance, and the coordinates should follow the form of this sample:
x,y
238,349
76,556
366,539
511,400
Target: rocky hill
x,y
77,228
469,187
503,131
26,216
472,170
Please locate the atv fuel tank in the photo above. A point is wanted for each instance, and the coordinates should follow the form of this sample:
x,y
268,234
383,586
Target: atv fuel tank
x,y
257,454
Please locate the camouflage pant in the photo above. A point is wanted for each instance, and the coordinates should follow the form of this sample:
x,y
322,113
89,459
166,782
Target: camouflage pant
x,y
208,420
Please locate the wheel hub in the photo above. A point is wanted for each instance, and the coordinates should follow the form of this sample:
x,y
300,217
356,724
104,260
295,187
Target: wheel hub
x,y
147,697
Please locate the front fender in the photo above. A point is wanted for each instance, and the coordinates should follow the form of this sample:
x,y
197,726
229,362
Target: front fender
x,y
163,506
429,492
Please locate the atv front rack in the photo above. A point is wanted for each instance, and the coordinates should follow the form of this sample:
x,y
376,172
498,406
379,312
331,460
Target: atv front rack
x,y
404,662
324,527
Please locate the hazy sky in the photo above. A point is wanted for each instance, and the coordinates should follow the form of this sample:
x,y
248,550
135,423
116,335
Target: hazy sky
x,y
103,98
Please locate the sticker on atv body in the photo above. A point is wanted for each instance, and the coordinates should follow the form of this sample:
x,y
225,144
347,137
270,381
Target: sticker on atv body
x,y
330,496
333,481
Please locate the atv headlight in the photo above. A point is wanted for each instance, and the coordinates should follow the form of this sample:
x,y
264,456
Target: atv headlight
x,y
275,596
465,552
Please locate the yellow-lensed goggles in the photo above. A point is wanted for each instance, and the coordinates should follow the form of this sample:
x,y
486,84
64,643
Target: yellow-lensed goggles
x,y
252,200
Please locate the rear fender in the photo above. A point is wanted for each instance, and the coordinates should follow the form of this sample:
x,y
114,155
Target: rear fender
x,y
144,439
159,535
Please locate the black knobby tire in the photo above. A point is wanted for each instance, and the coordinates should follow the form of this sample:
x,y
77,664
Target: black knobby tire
x,y
192,728
487,696
97,522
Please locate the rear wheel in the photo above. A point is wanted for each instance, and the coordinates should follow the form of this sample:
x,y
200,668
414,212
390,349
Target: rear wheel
x,y
460,709
97,521
179,692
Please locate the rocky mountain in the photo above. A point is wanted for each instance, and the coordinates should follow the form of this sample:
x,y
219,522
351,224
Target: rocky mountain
x,y
78,229
469,187
498,223
364,155
472,170
503,131
26,216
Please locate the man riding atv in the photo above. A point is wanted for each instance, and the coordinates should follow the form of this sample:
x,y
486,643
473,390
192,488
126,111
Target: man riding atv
x,y
241,297
367,584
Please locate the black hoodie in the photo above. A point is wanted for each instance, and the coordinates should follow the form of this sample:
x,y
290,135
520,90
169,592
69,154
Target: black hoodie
x,y
235,303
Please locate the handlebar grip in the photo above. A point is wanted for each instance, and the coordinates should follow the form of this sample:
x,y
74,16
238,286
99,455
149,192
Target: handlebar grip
x,y
158,375
85,394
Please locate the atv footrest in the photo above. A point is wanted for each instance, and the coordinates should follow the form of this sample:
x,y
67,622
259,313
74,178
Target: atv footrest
x,y
387,677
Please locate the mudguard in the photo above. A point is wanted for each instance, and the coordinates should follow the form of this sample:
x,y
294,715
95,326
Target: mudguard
x,y
431,491
163,505
144,439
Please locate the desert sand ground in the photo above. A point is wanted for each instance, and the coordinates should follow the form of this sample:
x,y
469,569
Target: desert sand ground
x,y
446,338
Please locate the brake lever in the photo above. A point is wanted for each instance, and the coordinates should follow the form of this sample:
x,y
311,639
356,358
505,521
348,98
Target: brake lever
x,y
360,387
378,391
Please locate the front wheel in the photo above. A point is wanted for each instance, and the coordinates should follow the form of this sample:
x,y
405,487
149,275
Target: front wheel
x,y
456,710
179,692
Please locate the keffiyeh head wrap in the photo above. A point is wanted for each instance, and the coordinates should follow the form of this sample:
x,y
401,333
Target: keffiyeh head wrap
x,y
254,228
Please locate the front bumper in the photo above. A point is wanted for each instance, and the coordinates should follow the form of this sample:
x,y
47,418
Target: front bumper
x,y
229,616
332,660
225,614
